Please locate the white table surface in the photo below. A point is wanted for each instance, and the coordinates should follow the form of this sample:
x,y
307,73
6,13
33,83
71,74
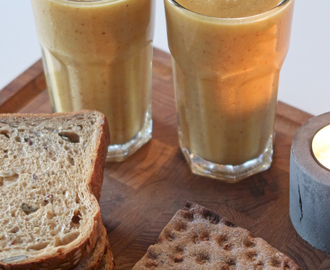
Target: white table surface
x,y
305,76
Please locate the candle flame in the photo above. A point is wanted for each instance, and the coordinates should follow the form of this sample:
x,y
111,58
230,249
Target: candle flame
x,y
321,146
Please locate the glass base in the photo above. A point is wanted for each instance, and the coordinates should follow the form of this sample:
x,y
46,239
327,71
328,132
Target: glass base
x,y
229,173
119,152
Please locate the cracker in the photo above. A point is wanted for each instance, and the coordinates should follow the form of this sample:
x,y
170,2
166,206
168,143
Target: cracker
x,y
198,238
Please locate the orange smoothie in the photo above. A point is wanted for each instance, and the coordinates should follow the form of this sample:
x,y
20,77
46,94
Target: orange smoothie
x,y
226,73
98,55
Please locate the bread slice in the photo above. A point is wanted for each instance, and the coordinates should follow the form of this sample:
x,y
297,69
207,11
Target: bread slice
x,y
100,256
107,262
197,238
51,173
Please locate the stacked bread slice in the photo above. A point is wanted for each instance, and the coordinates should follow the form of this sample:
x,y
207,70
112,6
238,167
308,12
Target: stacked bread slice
x,y
198,238
51,174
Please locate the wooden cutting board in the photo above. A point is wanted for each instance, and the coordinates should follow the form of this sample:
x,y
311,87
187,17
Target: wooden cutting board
x,y
140,195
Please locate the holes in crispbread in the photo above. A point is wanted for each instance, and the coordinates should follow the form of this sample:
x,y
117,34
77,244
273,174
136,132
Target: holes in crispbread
x,y
202,257
231,262
178,258
222,239
286,266
17,139
169,235
260,263
249,243
180,226
202,236
211,216
275,262
251,255
228,247
178,253
188,215
229,224
179,248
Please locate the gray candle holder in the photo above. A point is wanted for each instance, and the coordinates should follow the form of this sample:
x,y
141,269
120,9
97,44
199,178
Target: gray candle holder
x,y
310,187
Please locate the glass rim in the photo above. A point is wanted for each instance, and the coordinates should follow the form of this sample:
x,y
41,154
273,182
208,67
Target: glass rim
x,y
86,2
279,5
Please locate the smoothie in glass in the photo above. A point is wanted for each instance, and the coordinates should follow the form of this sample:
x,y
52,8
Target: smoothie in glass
x,y
97,55
227,56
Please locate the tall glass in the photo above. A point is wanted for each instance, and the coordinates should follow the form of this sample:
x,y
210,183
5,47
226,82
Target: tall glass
x,y
97,54
226,73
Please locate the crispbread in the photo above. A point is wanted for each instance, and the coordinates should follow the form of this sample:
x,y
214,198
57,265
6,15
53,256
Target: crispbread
x,y
197,238
51,173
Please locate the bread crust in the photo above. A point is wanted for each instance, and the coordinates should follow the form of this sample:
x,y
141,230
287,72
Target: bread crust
x,y
68,257
107,262
97,255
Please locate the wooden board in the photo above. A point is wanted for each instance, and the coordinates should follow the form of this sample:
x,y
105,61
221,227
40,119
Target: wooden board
x,y
140,195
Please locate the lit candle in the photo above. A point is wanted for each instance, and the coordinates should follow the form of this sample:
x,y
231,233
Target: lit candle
x,y
310,182
321,146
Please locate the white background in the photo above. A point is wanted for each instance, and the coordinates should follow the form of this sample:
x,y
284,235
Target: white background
x,y
305,76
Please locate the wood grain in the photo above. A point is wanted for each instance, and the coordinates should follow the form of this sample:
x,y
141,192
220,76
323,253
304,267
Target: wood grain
x,y
140,195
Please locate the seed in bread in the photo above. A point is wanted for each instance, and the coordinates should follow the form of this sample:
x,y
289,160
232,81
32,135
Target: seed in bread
x,y
197,238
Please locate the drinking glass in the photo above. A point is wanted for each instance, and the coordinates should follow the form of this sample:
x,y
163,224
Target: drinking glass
x,y
226,74
97,54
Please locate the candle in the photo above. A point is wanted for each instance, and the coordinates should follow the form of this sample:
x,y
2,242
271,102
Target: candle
x,y
310,182
321,146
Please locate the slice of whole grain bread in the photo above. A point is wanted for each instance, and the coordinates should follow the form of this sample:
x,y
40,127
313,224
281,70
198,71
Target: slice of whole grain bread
x,y
197,238
107,263
100,256
51,173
